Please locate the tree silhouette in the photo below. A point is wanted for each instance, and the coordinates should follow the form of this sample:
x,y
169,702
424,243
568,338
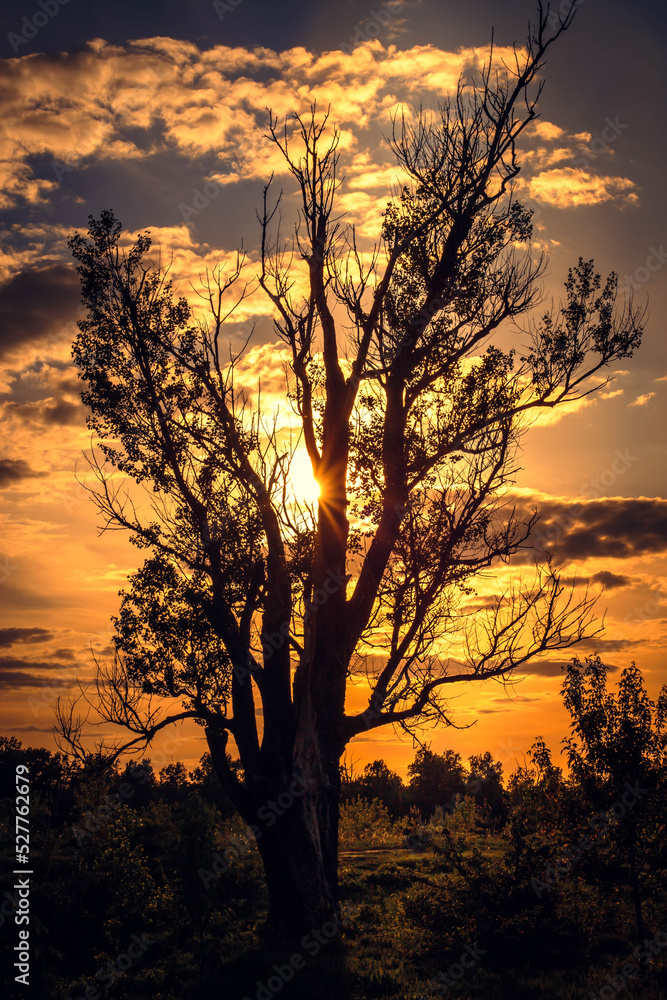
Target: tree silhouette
x,y
435,780
409,414
378,781
618,752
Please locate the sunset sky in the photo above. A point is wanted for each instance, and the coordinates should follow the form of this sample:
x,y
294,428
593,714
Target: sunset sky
x,y
157,111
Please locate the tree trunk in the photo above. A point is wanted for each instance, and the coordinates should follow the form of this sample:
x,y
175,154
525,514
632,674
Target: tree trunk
x,y
634,886
298,861
298,836
295,824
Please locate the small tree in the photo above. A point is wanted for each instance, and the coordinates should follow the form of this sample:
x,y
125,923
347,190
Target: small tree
x,y
485,784
378,781
409,415
618,755
435,780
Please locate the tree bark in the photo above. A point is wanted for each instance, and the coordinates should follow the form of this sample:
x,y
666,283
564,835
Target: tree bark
x,y
299,859
295,824
634,886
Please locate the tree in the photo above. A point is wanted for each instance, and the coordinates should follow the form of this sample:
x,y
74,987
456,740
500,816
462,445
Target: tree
x,y
409,416
619,757
377,781
485,784
435,780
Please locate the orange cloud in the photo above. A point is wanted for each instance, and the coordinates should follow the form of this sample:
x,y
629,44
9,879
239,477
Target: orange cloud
x,y
567,187
642,400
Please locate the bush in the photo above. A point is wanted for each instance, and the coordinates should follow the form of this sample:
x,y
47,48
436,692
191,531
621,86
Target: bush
x,y
367,823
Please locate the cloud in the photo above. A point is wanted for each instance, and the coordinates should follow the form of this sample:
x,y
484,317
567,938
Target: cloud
x,y
63,654
547,130
12,679
15,663
554,668
612,581
43,396
14,470
172,97
567,187
36,304
642,400
545,668
601,646
8,636
613,527
22,599
49,412
32,729
18,673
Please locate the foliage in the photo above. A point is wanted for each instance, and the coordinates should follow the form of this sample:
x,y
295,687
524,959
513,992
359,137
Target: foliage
x,y
435,779
618,755
366,822
544,919
377,781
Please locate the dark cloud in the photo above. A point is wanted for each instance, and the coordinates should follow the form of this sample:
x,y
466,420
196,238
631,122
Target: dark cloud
x,y
36,304
62,412
16,663
546,668
612,581
20,679
602,646
63,654
14,470
32,729
555,668
8,636
48,413
611,528
18,673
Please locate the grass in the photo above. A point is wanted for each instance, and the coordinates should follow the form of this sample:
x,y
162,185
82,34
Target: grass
x,y
407,917
406,920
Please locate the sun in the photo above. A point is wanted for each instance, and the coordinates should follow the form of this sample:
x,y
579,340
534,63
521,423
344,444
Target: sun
x,y
304,486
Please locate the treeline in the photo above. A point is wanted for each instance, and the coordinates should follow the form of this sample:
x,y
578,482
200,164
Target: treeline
x,y
153,868
436,781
